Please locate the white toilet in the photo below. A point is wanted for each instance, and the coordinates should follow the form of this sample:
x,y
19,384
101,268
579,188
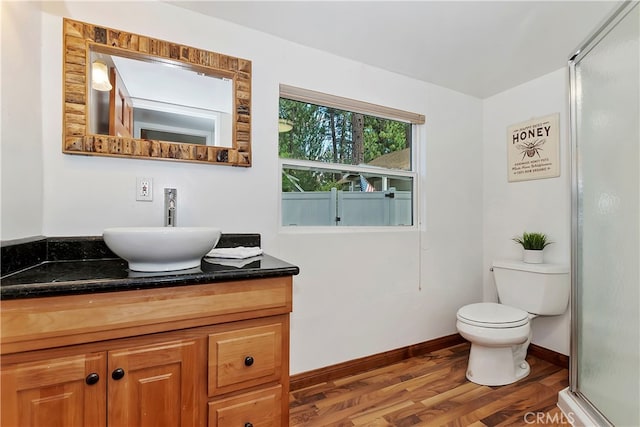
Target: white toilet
x,y
500,333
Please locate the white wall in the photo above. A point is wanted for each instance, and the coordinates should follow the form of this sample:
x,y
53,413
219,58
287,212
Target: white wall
x,y
539,205
358,292
21,121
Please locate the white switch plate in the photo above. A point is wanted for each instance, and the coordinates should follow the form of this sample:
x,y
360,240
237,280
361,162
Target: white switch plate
x,y
144,189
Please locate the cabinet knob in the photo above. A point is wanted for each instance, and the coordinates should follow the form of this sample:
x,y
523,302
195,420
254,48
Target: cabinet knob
x,y
248,361
117,374
248,425
92,378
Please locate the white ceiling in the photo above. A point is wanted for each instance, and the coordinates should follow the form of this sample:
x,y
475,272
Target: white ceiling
x,y
476,47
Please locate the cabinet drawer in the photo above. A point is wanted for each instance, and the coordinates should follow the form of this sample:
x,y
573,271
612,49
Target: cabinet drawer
x,y
258,409
245,357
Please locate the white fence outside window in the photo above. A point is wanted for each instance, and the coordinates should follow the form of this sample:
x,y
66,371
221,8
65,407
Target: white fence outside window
x,y
347,208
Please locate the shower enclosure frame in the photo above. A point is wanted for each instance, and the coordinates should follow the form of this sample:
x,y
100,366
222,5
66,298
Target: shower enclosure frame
x,y
600,33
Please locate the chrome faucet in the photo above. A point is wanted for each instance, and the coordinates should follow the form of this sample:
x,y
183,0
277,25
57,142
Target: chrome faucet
x,y
170,205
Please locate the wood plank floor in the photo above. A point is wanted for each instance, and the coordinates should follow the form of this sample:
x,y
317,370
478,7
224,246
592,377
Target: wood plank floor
x,y
431,390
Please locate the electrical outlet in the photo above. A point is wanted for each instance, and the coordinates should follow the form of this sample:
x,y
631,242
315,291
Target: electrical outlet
x,y
144,189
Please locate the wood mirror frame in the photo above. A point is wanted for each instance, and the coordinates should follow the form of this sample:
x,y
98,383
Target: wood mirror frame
x,y
80,37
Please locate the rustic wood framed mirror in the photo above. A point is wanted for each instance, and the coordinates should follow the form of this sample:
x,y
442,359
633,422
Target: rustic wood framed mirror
x,y
116,118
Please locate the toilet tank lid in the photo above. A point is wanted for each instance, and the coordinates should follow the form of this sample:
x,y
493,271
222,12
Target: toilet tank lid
x,y
545,268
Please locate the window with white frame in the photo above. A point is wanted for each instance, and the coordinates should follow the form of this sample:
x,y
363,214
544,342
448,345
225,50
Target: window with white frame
x,y
345,162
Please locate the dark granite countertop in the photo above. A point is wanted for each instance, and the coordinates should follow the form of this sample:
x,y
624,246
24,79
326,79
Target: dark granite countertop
x,y
68,277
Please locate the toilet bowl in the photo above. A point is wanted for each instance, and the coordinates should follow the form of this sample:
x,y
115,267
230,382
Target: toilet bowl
x,y
500,333
499,336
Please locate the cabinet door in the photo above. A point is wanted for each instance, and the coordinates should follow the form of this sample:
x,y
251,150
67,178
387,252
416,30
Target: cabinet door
x,y
64,391
157,385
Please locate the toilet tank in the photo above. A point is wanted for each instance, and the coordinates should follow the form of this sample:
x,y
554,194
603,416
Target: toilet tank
x,y
541,289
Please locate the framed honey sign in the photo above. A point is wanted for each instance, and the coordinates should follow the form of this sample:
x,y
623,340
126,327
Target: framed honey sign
x,y
533,149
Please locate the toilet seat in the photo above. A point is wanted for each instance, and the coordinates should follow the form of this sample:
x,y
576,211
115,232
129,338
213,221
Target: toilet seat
x,y
492,315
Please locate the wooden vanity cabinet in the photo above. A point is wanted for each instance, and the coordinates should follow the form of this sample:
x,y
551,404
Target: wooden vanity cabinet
x,y
218,365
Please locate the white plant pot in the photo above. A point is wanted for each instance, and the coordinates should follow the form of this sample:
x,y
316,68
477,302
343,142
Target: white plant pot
x,y
532,256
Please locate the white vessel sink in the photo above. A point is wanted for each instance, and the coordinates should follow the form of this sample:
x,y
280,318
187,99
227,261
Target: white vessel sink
x,y
161,248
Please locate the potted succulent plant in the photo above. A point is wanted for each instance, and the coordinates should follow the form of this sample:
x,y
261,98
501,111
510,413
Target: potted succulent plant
x,y
533,244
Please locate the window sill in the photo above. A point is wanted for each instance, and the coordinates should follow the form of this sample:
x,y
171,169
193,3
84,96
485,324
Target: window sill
x,y
347,230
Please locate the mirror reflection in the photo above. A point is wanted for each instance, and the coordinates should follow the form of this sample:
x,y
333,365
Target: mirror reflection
x,y
146,99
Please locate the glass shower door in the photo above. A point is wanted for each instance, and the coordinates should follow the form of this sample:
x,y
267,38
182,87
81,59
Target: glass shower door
x,y
606,337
